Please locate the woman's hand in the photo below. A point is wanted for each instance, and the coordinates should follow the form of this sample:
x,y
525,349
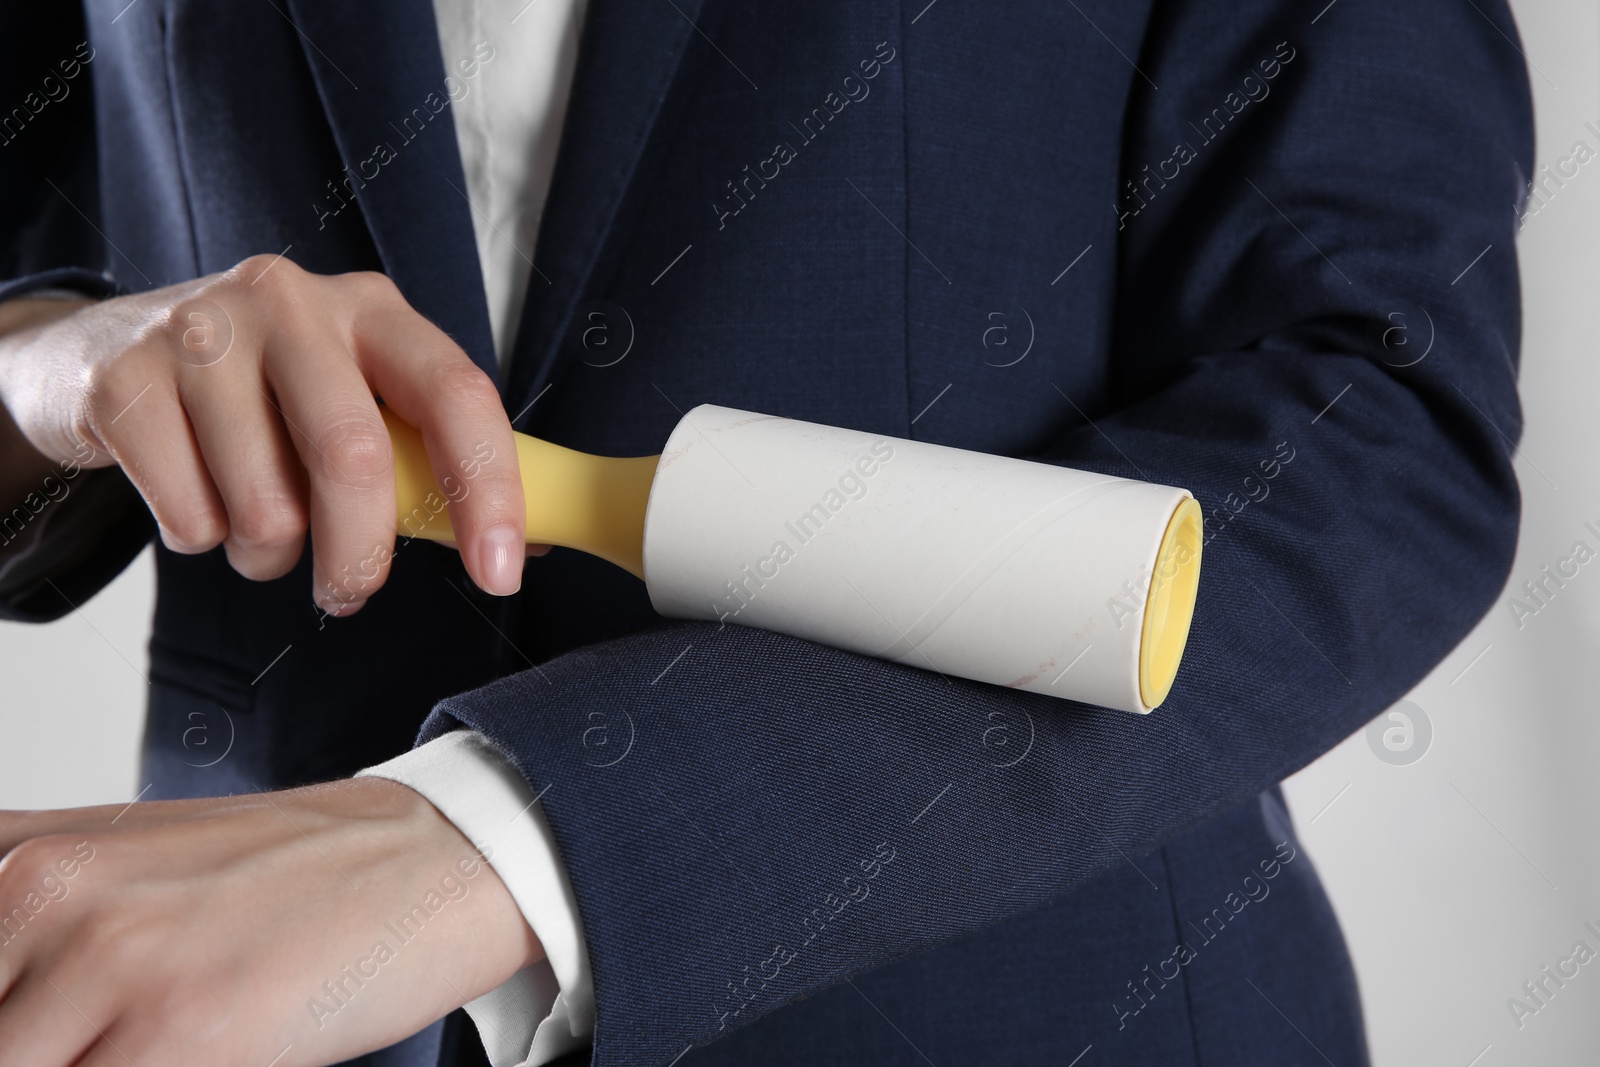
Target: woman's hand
x,y
241,406
312,925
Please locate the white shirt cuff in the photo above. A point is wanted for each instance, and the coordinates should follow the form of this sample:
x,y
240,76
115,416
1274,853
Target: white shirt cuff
x,y
546,1010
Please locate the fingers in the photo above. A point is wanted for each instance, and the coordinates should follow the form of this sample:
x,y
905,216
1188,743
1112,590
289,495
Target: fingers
x,y
253,464
430,383
40,1027
241,405
335,428
109,1051
528,550
36,883
137,415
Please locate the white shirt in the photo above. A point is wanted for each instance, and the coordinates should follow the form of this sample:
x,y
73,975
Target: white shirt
x,y
509,73
508,67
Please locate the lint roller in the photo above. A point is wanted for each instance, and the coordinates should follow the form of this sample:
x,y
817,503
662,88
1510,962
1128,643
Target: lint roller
x,y
1021,574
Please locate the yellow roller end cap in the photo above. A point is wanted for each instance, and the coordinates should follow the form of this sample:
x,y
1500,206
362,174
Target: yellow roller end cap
x,y
1171,605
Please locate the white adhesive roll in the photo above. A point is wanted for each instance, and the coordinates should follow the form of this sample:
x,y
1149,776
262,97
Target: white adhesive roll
x,y
1022,574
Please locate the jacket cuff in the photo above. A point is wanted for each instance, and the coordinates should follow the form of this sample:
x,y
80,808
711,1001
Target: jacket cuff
x,y
66,541
77,279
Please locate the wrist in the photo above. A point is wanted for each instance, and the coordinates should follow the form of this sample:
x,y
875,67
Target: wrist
x,y
25,312
499,942
23,468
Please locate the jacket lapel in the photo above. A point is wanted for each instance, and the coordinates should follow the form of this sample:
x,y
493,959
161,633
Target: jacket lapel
x,y
629,55
379,72
377,62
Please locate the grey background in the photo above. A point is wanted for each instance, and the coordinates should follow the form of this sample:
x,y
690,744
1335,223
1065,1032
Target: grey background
x,y
1457,876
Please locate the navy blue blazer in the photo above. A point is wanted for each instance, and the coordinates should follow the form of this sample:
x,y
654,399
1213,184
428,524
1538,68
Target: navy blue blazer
x,y
1217,245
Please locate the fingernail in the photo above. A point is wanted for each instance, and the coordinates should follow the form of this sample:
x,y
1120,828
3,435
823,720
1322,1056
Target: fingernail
x,y
336,608
500,556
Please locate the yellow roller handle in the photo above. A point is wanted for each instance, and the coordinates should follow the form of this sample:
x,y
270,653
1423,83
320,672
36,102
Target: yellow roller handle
x,y
595,504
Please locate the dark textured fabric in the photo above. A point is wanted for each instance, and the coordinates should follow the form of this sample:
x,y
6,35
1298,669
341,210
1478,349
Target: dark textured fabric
x,y
81,531
954,250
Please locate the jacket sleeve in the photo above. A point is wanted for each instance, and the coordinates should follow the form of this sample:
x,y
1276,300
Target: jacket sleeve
x,y
66,541
1317,335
